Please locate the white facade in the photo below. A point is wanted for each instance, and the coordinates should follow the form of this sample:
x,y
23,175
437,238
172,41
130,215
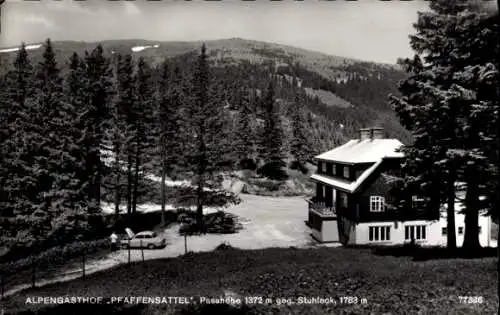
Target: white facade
x,y
434,235
329,232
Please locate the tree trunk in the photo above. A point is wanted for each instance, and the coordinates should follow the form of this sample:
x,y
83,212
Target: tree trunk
x,y
98,179
117,179
162,184
136,178
129,183
199,208
471,239
451,236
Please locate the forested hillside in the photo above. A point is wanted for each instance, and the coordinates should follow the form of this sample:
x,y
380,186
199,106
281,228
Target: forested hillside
x,y
337,81
83,124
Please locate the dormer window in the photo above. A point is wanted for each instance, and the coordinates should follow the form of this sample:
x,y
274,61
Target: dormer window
x,y
322,167
346,171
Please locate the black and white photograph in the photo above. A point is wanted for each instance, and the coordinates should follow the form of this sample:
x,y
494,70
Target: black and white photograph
x,y
249,157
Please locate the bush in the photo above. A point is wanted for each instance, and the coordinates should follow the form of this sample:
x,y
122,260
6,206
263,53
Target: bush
x,y
224,247
143,221
267,185
273,170
216,223
248,164
295,165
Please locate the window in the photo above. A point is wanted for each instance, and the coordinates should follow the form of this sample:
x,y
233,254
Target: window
x,y
417,202
322,166
444,231
335,169
329,168
343,199
460,230
415,232
324,192
379,233
346,171
377,203
479,229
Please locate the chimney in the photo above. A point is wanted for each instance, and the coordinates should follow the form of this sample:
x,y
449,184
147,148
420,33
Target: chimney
x,y
364,134
377,133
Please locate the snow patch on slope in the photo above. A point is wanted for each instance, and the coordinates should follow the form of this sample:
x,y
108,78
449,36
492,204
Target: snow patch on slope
x,y
141,48
28,47
109,208
108,157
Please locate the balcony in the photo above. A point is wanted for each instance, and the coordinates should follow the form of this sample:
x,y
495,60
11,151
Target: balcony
x,y
320,207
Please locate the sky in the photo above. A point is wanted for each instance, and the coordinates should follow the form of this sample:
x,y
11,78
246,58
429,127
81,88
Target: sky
x,y
371,30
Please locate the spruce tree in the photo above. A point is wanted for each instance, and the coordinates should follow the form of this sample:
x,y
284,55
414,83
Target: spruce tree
x,y
125,113
206,122
244,146
271,146
117,129
299,147
17,185
99,97
436,108
143,122
75,91
170,126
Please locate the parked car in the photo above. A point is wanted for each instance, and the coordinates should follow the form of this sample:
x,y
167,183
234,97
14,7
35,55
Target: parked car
x,y
145,239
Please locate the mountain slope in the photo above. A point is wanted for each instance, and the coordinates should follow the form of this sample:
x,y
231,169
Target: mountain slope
x,y
345,94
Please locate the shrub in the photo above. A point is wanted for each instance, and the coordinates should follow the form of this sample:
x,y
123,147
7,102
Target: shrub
x,y
248,164
223,247
216,223
295,165
273,170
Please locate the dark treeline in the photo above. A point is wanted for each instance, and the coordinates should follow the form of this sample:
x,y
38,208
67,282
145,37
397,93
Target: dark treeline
x,y
77,134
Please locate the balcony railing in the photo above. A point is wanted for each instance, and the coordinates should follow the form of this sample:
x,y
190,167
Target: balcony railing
x,y
321,208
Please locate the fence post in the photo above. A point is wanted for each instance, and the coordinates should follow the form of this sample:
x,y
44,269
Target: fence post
x,y
128,250
33,271
185,244
142,252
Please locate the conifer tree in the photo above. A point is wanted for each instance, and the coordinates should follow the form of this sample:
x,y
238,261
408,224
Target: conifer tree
x,y
271,146
206,120
17,185
143,113
244,146
125,113
439,105
299,147
117,130
75,91
170,125
100,94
